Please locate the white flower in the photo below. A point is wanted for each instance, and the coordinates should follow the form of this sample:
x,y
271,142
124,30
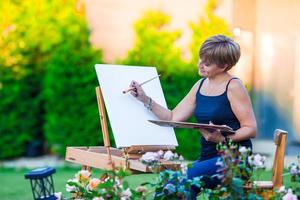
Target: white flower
x,y
98,198
57,195
181,158
83,175
281,189
117,182
183,168
220,162
150,157
257,161
250,160
160,153
169,155
176,155
125,195
219,176
294,169
289,195
71,188
243,150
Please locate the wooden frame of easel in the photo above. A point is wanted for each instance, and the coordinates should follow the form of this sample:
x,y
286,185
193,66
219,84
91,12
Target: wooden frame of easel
x,y
107,157
280,138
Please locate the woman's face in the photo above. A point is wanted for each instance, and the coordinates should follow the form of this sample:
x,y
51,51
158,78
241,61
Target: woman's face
x,y
208,69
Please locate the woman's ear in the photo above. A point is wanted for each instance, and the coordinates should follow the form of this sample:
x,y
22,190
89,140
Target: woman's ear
x,y
225,68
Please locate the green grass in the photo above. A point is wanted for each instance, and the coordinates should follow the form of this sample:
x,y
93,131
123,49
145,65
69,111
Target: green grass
x,y
15,186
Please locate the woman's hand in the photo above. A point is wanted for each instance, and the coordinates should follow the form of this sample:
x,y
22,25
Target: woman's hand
x,y
212,136
138,92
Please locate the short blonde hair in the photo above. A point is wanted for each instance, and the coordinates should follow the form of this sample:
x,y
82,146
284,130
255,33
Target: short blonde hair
x,y
220,50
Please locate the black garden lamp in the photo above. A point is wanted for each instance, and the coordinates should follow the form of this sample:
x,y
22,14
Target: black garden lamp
x,y
42,183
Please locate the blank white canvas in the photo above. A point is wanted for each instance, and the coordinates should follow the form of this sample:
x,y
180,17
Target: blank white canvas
x,y
128,116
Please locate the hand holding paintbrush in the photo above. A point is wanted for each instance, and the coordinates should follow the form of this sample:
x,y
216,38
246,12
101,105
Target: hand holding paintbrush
x,y
137,91
132,86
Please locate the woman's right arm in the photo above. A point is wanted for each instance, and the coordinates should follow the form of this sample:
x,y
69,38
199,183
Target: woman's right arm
x,y
181,112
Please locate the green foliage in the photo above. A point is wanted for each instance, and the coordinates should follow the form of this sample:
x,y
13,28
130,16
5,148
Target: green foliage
x,y
71,112
155,45
173,185
207,26
46,66
22,54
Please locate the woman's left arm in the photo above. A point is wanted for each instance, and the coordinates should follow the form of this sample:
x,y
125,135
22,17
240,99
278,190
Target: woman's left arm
x,y
242,108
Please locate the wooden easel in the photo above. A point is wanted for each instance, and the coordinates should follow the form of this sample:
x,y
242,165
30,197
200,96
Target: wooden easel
x,y
108,157
266,187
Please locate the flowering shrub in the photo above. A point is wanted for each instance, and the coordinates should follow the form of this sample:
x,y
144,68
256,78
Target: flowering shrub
x,y
236,170
236,167
109,186
294,170
173,184
169,184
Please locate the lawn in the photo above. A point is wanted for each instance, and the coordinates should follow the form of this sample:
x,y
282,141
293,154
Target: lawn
x,y
14,186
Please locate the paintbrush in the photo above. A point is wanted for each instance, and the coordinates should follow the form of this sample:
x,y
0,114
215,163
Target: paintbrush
x,y
132,88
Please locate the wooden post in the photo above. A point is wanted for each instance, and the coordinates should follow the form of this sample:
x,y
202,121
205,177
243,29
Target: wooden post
x,y
278,165
104,127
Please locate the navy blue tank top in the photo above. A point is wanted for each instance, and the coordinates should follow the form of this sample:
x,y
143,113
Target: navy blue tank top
x,y
215,109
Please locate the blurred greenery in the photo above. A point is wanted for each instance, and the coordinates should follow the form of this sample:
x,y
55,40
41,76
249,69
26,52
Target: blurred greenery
x,y
47,75
207,26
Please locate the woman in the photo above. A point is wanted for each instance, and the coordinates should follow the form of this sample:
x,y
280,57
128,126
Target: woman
x,y
217,98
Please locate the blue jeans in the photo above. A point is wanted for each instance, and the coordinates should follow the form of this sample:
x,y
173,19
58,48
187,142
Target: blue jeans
x,y
204,168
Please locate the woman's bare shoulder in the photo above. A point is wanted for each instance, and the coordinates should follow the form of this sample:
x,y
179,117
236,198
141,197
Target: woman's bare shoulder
x,y
197,84
195,87
237,88
235,84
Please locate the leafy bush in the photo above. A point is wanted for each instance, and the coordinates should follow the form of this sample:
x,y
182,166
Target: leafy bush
x,y
22,55
71,113
46,41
